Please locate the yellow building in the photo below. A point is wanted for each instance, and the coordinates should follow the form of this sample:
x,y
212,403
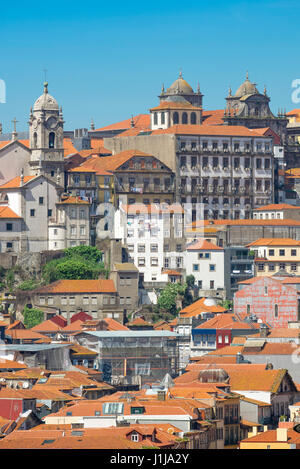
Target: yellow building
x,y
281,438
276,254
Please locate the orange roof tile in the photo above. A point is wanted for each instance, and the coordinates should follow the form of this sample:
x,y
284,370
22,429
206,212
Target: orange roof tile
x,y
46,326
175,105
141,120
232,130
246,222
15,182
203,245
227,321
275,242
73,200
200,306
277,207
79,286
6,212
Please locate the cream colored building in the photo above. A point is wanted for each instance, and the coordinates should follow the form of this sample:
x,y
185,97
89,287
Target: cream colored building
x,y
276,254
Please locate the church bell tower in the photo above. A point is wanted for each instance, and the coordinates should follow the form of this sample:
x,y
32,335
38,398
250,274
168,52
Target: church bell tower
x,y
46,138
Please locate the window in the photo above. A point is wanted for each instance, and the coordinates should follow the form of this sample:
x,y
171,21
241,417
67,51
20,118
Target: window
x,y
248,309
282,252
261,267
282,266
200,284
196,267
141,261
9,226
193,118
166,263
73,230
212,267
211,284
162,118
293,252
155,118
184,118
154,248
51,140
294,267
49,213
258,163
175,118
42,300
154,261
271,252
41,200
134,437
82,230
32,212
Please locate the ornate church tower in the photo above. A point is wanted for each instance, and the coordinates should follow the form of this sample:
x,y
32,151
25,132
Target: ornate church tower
x,y
46,138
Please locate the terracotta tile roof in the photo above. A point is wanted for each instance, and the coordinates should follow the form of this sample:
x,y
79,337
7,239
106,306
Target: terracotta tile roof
x,y
270,436
141,120
15,182
4,143
230,130
175,273
227,321
113,325
27,334
73,200
200,306
79,286
213,117
75,326
291,280
271,348
274,242
46,326
245,222
77,349
213,359
277,207
262,380
6,212
11,365
175,105
15,325
294,112
203,245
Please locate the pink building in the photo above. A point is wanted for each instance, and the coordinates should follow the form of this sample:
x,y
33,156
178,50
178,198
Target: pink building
x,y
275,301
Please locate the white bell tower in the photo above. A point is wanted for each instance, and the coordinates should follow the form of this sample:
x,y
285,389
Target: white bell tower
x,y
46,137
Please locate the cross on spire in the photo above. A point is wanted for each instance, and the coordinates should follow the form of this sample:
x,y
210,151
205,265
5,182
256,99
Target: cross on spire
x,y
14,121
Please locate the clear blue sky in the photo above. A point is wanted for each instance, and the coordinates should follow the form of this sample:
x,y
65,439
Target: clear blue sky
x,y
108,60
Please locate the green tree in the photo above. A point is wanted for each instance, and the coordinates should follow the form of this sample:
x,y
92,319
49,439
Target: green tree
x,y
167,298
32,317
80,262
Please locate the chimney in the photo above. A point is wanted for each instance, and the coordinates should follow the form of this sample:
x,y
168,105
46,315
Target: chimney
x,y
282,434
263,330
161,395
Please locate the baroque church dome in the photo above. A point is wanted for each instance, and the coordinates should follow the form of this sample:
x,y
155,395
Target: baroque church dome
x,y
180,86
246,88
46,102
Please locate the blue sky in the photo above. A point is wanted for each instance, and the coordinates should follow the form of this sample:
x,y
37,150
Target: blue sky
x,y
108,60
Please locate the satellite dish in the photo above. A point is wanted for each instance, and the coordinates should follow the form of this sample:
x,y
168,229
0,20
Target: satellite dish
x,y
25,385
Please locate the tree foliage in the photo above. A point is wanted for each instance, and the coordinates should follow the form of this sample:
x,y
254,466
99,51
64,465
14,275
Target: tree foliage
x,y
77,263
32,317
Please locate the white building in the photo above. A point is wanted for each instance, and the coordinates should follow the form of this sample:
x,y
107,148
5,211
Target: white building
x,y
205,261
153,235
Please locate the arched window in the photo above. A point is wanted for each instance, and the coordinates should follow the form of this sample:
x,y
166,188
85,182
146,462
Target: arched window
x,y
35,140
162,118
256,111
193,118
184,118
155,118
175,118
51,139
